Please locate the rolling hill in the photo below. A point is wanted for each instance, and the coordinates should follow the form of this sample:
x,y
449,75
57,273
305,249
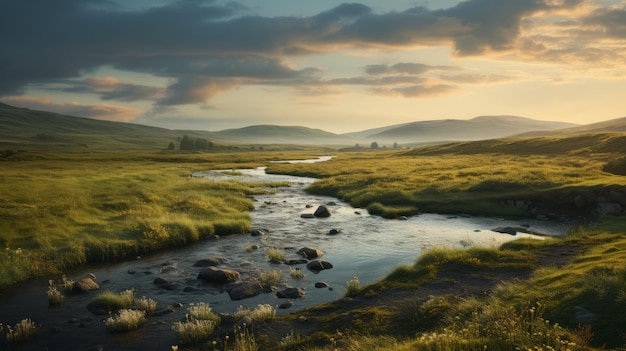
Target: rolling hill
x,y
617,125
478,128
285,134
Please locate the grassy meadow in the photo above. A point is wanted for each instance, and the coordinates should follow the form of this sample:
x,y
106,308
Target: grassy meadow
x,y
59,210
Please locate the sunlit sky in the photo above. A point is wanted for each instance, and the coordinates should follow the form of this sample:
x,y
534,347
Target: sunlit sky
x,y
340,67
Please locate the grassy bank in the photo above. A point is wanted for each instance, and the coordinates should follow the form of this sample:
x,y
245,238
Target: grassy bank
x,y
60,210
475,178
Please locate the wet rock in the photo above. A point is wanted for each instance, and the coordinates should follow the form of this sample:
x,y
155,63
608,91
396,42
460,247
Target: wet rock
x,y
403,218
164,284
85,285
294,262
244,290
322,285
291,293
163,311
210,262
260,232
310,252
131,271
317,266
286,305
334,232
331,203
307,215
505,230
322,211
218,276
308,206
168,269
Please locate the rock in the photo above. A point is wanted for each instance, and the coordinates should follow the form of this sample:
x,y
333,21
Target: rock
x,y
505,230
403,218
218,276
164,284
210,262
285,305
310,252
307,215
290,293
294,262
322,285
163,311
322,211
244,290
308,206
317,266
334,232
331,203
260,232
84,285
159,281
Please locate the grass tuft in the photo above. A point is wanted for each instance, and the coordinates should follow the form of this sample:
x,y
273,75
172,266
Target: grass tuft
x,y
125,320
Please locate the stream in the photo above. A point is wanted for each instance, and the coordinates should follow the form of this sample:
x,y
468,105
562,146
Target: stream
x,y
366,246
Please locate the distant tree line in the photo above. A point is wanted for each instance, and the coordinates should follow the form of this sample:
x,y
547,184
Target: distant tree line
x,y
187,143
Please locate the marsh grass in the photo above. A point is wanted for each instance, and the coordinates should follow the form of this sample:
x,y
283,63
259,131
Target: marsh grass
x,y
125,320
193,331
55,297
296,273
244,339
275,255
261,312
353,286
200,322
61,210
145,304
270,278
112,301
23,331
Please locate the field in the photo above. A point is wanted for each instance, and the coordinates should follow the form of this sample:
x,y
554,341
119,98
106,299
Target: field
x,y
63,209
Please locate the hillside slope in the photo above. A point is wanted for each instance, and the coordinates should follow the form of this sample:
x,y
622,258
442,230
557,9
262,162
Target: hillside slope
x,y
478,128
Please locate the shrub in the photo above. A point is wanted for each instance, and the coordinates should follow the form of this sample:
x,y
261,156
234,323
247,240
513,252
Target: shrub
x,y
114,301
617,167
125,320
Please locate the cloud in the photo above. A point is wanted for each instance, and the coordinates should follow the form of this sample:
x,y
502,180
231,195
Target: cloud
x,y
477,78
100,111
416,91
205,48
111,88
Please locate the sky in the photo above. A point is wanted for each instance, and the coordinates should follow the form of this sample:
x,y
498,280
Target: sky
x,y
341,67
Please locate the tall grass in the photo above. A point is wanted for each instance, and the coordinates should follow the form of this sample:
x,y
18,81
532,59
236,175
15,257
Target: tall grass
x,y
63,210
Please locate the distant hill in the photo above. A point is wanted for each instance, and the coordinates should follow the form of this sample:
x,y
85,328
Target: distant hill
x,y
21,127
285,134
478,128
617,125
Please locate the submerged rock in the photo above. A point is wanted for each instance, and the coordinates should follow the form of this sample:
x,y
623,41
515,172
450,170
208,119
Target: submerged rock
x,y
218,276
244,290
317,266
291,293
210,262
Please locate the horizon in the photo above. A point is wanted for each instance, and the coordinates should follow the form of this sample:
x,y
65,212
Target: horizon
x,y
214,65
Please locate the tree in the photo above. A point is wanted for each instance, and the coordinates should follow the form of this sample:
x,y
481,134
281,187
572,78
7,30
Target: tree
x,y
171,146
374,145
186,143
395,145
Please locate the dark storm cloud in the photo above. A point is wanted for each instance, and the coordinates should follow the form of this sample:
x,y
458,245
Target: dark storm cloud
x,y
612,22
206,48
110,88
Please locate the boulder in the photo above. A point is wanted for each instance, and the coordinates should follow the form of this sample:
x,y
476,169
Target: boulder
x,y
244,290
210,262
321,285
84,285
318,265
218,276
286,305
310,252
164,284
506,230
322,211
307,215
290,293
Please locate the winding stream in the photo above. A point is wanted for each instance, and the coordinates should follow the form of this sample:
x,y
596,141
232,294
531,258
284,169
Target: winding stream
x,y
366,246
